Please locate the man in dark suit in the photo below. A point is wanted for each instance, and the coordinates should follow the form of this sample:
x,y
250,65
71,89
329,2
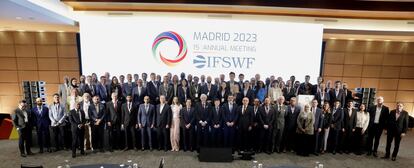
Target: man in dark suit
x,y
230,118
292,113
77,121
203,120
102,90
348,94
89,87
195,90
244,124
378,115
256,127
166,89
163,119
231,83
183,92
113,122
216,124
22,120
187,125
279,124
138,93
210,90
337,94
306,87
97,113
266,120
336,125
152,89
146,121
246,92
318,122
289,91
348,129
128,122
42,123
129,86
397,126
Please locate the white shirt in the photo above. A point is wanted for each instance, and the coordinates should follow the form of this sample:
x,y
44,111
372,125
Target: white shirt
x,y
86,108
161,107
362,120
377,114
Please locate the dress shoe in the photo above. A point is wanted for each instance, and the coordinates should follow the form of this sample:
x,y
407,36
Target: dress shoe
x,y
369,154
125,149
111,150
142,149
334,152
30,153
385,157
83,152
49,150
375,154
73,155
41,151
23,155
150,149
316,154
393,159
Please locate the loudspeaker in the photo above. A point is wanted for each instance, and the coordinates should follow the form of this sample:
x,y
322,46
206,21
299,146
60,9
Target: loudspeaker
x,y
215,154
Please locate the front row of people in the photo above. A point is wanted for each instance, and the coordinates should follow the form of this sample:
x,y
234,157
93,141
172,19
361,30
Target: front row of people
x,y
263,127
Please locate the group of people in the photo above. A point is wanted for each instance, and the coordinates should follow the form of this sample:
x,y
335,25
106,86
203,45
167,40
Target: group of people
x,y
186,113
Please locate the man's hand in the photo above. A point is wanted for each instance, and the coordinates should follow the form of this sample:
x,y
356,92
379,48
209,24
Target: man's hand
x,y
353,130
109,124
140,126
167,126
402,135
250,128
265,126
319,129
343,129
136,125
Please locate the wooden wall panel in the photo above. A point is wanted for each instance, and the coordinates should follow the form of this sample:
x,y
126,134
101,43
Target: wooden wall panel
x,y
371,71
388,84
6,37
7,50
46,38
67,51
352,70
406,84
26,64
46,51
390,72
48,63
407,72
25,51
373,58
8,64
24,37
354,58
8,76
334,57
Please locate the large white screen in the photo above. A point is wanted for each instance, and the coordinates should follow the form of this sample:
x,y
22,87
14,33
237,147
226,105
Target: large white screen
x,y
122,45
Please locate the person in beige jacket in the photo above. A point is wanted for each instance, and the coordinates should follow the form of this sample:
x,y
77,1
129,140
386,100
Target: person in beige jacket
x,y
305,130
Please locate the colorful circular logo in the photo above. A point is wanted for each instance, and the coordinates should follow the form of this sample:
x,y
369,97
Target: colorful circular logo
x,y
170,35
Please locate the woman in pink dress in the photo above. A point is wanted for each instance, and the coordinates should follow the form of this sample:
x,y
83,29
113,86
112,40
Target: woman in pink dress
x,y
175,125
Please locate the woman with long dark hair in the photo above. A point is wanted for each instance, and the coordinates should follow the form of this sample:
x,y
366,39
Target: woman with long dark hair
x,y
361,127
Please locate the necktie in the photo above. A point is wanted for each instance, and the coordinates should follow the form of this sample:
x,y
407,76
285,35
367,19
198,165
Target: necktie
x,y
244,109
146,108
217,110
97,108
80,116
129,107
39,109
280,108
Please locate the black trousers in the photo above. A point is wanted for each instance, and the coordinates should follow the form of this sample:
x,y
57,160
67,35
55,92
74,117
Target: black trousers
x,y
58,136
316,141
216,137
229,136
334,136
396,137
303,146
43,138
162,136
146,130
78,134
130,136
346,141
358,137
202,136
255,137
374,136
266,137
243,136
289,140
188,138
97,136
24,140
114,137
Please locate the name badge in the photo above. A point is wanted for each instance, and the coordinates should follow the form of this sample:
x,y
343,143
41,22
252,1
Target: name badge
x,y
196,95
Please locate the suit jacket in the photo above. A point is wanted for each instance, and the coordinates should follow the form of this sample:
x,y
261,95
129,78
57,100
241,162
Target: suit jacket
x,y
163,117
127,88
337,118
129,116
95,114
41,119
195,92
291,118
318,120
146,118
75,119
216,116
229,88
349,122
399,125
183,94
267,118
18,118
223,97
383,116
113,114
203,114
63,92
103,91
138,97
212,93
340,97
89,88
305,89
246,118
249,94
57,114
280,116
187,117
256,115
152,90
230,116
289,93
348,95
326,98
167,92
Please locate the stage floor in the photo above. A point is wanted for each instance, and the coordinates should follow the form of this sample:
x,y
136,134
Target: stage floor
x,y
10,157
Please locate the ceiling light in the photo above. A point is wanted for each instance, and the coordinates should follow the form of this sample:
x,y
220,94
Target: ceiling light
x,y
41,31
60,31
332,38
387,40
21,30
19,18
351,39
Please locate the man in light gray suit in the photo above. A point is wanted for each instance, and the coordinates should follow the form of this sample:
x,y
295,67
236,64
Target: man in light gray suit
x,y
317,112
57,116
64,90
146,120
279,124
